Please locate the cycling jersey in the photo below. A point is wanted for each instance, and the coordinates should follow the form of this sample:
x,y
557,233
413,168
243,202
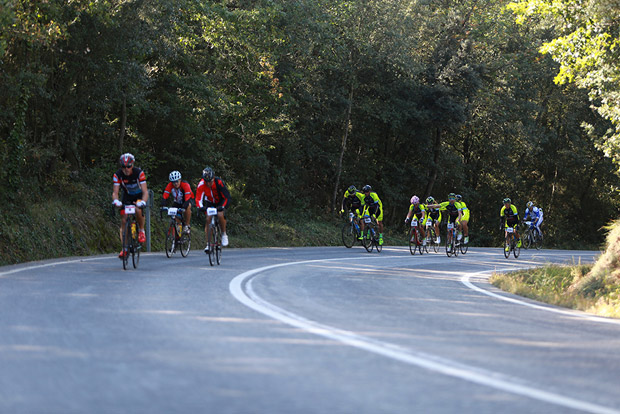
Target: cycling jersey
x,y
533,213
131,184
374,204
433,214
354,200
180,196
419,211
215,195
451,209
510,216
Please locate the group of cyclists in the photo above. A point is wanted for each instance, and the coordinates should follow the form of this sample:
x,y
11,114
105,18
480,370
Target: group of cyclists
x,y
210,192
509,217
367,202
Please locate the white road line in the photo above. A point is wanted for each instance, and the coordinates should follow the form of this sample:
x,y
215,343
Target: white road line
x,y
465,279
23,269
241,288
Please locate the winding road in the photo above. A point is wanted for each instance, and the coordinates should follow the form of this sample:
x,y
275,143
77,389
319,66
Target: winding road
x,y
304,330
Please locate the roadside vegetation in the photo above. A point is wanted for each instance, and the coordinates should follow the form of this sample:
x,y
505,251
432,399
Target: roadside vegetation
x,y
590,288
293,101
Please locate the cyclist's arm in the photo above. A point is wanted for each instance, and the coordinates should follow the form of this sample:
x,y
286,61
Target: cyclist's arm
x,y
225,195
145,191
200,193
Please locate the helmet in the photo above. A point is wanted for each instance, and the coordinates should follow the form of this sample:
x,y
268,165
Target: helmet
x,y
415,200
352,189
430,200
530,204
459,197
507,201
208,173
451,196
127,160
174,176
366,188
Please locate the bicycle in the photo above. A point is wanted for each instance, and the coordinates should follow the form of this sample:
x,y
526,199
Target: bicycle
x,y
415,238
175,236
431,236
452,247
351,231
370,237
511,243
131,245
215,240
462,246
532,236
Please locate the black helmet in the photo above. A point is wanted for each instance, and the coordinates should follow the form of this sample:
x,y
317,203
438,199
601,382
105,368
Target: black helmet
x,y
507,200
208,174
366,188
430,200
352,189
459,197
127,160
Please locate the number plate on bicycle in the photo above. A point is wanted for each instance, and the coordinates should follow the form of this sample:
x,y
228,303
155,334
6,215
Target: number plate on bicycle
x,y
212,211
414,223
173,211
130,209
510,229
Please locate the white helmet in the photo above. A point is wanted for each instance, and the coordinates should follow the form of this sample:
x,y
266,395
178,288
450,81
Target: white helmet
x,y
174,176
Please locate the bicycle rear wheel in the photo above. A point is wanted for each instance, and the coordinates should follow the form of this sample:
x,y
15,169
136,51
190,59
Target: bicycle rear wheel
x,y
135,246
170,240
516,249
413,242
348,235
212,247
186,244
126,244
218,245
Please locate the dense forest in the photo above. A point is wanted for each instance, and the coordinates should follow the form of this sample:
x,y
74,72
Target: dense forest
x,y
291,101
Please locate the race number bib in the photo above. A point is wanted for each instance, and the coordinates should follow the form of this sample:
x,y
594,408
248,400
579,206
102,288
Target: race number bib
x,y
130,209
172,211
211,211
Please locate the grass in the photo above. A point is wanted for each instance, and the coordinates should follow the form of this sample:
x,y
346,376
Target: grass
x,y
575,287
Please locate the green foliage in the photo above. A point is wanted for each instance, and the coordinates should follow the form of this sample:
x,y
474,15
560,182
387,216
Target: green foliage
x,y
419,97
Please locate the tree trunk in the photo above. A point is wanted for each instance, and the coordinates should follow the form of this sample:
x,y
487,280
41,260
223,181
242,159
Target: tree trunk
x,y
121,134
435,167
345,136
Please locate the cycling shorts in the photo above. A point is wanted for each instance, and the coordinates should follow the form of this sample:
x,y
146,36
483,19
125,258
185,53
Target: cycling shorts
x,y
376,211
465,215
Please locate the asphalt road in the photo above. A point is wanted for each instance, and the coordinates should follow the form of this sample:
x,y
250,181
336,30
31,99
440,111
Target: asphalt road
x,y
310,330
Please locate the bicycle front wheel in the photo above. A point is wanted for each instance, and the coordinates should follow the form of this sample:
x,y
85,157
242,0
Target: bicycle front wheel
x,y
507,246
348,235
412,241
464,247
516,249
212,246
367,240
527,238
170,240
539,241
449,251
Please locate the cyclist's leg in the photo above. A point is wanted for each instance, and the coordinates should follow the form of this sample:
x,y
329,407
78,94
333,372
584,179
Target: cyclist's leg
x,y
437,222
187,216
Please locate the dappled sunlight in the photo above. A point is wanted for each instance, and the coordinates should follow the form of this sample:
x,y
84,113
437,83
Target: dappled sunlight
x,y
38,351
535,344
286,341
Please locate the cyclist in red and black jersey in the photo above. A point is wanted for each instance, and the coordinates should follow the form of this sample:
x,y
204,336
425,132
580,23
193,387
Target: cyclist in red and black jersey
x,y
182,195
212,192
133,181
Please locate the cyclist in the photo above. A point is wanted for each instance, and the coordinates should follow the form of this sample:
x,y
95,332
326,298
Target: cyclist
x,y
373,204
465,219
133,181
182,196
419,211
433,214
353,200
535,214
212,192
454,213
509,216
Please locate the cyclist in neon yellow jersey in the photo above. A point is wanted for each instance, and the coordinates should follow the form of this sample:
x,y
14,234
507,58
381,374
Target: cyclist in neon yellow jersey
x,y
418,211
433,214
464,223
375,208
453,210
510,217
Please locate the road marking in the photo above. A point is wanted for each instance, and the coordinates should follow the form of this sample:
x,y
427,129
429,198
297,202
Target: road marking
x,y
465,279
22,269
241,289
